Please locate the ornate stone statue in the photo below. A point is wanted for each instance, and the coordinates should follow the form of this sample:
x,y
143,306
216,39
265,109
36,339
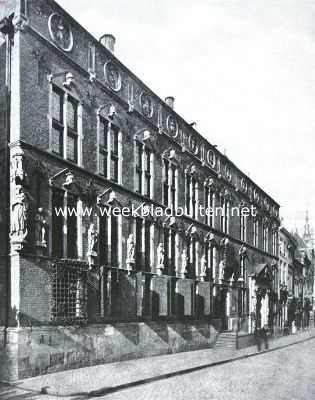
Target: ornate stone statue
x,y
203,268
40,230
160,258
92,240
184,263
19,216
130,249
221,270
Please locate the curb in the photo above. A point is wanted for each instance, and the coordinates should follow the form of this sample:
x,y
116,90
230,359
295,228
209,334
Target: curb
x,y
101,392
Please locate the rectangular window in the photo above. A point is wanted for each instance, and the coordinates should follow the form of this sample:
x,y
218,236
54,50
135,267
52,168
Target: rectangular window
x,y
243,223
139,147
143,170
57,121
60,126
256,232
169,184
103,242
72,226
139,244
170,251
57,223
103,153
191,196
209,202
114,241
72,130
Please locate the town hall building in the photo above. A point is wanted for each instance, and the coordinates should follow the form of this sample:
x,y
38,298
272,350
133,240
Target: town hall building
x,y
79,131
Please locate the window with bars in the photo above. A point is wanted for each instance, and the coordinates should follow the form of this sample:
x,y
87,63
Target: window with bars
x,y
191,193
169,184
209,202
143,169
69,292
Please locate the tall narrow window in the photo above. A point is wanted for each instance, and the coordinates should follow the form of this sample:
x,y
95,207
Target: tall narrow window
x,y
72,130
108,142
191,257
103,242
72,226
57,223
139,147
243,226
57,121
224,218
147,172
147,246
256,233
265,238
114,155
64,125
114,241
103,153
170,251
191,193
109,241
139,262
209,203
143,170
169,184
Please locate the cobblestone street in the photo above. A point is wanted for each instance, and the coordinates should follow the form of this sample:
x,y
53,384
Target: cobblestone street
x,y
285,374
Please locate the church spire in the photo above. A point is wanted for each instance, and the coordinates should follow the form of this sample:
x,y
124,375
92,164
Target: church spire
x,y
307,235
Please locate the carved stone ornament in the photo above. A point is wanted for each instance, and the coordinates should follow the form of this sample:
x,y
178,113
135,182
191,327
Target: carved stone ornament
x,y
60,32
112,76
172,126
146,105
193,145
211,158
160,258
131,250
203,268
40,231
19,218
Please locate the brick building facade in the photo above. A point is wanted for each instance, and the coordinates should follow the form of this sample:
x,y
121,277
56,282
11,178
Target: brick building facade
x,y
78,129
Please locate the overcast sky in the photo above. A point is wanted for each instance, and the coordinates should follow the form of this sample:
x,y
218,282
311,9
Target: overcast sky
x,y
242,69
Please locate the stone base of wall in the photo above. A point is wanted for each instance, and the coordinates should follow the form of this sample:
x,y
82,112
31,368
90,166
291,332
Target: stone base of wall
x,y
41,350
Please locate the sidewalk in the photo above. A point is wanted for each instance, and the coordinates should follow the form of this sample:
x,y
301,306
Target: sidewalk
x,y
108,378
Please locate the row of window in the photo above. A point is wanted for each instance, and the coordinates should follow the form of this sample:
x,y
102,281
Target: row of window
x,y
66,232
65,143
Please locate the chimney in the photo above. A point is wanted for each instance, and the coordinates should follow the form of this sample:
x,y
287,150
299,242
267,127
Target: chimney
x,y
108,40
170,101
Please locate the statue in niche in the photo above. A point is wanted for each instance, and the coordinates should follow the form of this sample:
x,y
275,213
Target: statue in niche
x,y
184,263
160,258
221,270
92,240
19,216
203,268
17,165
130,249
40,229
